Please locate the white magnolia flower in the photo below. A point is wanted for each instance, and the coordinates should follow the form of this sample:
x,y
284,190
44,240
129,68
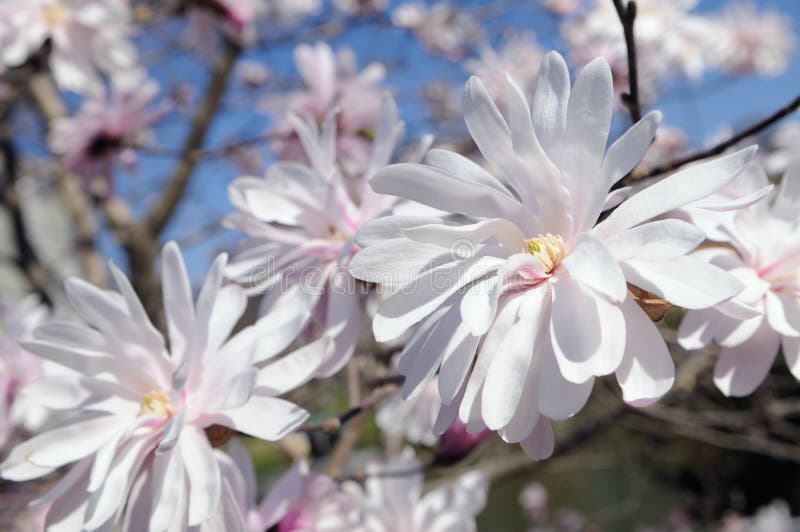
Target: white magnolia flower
x,y
520,294
751,42
519,57
302,220
411,420
785,148
86,36
139,410
762,249
391,499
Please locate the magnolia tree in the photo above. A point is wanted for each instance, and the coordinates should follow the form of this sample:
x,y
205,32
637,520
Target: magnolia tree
x,y
416,314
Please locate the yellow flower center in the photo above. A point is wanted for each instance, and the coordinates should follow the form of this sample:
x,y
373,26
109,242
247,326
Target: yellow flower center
x,y
156,402
548,250
55,15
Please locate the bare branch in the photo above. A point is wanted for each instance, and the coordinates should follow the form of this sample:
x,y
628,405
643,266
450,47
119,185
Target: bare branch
x,y
631,99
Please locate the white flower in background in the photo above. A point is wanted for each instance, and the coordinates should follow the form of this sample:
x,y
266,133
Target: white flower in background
x,y
750,42
297,501
670,142
291,11
87,36
774,517
518,57
139,410
442,28
561,7
109,125
673,40
331,82
391,499
521,299
301,221
19,367
785,148
361,7
762,249
411,420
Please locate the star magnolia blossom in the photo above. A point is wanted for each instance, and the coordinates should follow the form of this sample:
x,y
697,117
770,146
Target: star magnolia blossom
x,y
136,412
297,501
521,299
763,250
86,36
18,368
108,125
331,82
391,499
301,221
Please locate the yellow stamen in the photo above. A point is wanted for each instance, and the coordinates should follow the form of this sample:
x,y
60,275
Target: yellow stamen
x,y
548,250
156,402
55,14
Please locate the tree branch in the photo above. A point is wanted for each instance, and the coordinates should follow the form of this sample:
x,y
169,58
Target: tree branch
x,y
162,211
631,99
754,129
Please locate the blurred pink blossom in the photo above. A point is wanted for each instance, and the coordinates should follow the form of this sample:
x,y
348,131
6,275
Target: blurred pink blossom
x,y
442,28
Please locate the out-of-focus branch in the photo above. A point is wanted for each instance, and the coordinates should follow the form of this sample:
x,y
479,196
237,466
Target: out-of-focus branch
x,y
162,211
45,97
627,16
720,148
27,259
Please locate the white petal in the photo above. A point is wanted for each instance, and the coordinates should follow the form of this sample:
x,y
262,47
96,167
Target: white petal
x,y
456,362
647,371
591,263
626,152
295,368
739,370
550,98
283,494
202,473
694,331
558,397
479,305
655,241
389,227
178,302
783,313
268,418
539,445
791,353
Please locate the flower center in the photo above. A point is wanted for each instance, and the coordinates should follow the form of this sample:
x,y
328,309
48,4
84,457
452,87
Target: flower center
x,y
156,402
55,15
548,250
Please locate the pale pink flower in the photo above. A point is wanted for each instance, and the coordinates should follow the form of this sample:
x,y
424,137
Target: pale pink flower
x,y
785,148
762,249
136,410
331,82
87,36
297,501
748,42
391,499
109,125
208,20
518,57
672,39
520,295
301,221
561,7
533,499
18,368
442,28
289,12
361,7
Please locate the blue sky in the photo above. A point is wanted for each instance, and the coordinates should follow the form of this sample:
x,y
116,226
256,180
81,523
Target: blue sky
x,y
700,108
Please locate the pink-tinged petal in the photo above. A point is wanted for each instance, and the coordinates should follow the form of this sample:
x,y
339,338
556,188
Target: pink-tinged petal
x,y
647,371
739,370
443,191
686,281
295,368
516,356
229,305
626,152
661,240
283,494
783,313
406,307
587,332
540,444
202,473
791,353
268,418
677,190
591,263
66,513
550,99
559,398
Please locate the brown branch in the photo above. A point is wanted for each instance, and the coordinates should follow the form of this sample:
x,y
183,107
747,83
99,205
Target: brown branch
x,y
46,99
631,99
27,259
164,208
754,129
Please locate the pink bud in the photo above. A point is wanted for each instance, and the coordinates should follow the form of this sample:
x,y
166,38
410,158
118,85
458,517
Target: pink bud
x,y
456,442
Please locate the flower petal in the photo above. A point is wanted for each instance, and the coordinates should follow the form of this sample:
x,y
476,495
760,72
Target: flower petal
x,y
739,370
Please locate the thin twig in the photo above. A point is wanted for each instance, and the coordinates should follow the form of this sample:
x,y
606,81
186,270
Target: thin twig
x,y
631,99
164,208
718,149
383,389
